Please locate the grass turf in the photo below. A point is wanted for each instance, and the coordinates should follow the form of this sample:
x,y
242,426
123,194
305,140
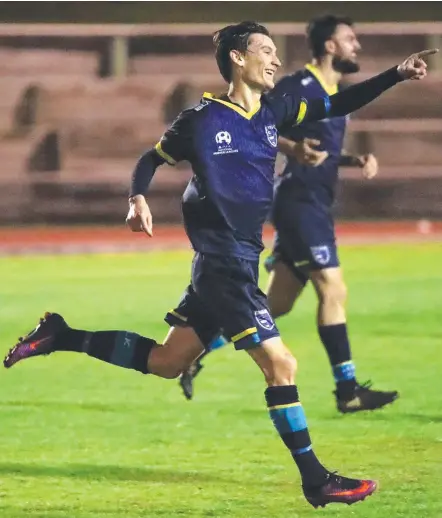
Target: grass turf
x,y
82,439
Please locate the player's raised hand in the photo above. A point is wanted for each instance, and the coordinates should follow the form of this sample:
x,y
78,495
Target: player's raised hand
x,y
139,217
415,66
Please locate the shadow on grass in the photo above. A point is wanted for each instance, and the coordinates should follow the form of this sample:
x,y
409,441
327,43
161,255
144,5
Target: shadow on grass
x,y
110,473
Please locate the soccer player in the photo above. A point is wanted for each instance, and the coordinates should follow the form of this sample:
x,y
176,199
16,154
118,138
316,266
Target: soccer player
x,y
231,143
305,243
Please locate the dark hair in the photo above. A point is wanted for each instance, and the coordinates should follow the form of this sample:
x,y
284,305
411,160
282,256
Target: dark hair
x,y
233,37
321,29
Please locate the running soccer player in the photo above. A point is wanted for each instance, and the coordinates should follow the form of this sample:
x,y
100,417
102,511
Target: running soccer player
x,y
231,143
305,244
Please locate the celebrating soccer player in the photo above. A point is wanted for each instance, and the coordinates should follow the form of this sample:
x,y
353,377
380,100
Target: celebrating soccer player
x,y
231,144
305,243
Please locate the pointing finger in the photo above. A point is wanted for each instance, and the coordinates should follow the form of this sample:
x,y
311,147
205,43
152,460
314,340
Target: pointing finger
x,y
424,53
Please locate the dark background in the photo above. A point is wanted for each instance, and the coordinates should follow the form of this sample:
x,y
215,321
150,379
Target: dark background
x,y
157,12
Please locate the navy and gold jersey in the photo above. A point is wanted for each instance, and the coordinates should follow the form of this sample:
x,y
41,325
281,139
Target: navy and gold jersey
x,y
232,153
313,183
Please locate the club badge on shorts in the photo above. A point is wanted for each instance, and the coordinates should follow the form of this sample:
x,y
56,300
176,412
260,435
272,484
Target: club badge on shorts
x,y
321,254
264,319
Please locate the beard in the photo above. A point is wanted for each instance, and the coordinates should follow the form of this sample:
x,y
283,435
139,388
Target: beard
x,y
345,66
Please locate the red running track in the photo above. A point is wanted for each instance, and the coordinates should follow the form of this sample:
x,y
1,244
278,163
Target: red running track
x,y
87,239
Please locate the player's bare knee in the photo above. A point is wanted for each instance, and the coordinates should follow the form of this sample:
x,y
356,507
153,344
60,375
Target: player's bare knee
x,y
171,370
165,365
283,371
333,293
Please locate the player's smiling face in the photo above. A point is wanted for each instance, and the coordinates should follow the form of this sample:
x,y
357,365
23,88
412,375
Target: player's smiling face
x,y
260,62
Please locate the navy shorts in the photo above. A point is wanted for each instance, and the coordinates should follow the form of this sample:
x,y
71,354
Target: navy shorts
x,y
305,238
224,298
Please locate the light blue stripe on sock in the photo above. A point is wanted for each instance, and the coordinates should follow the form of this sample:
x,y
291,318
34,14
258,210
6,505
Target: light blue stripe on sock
x,y
124,349
288,420
302,450
344,371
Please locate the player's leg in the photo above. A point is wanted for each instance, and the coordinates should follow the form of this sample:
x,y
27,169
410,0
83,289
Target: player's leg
x,y
182,346
120,348
187,378
286,281
308,239
283,286
229,287
332,328
320,486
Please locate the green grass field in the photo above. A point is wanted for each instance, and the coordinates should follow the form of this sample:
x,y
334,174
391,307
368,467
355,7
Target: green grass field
x,y
83,439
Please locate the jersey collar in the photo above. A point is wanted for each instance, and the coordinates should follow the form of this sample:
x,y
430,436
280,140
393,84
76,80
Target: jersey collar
x,y
331,90
247,115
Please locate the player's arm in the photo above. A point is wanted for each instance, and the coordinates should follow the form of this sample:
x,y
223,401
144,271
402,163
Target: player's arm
x,y
358,95
348,160
139,217
292,111
172,148
352,98
368,163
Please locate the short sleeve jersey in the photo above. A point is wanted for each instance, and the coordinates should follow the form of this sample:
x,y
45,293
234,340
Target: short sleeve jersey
x,y
232,153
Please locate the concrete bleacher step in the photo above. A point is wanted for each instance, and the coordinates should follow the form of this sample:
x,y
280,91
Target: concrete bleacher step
x,y
103,185
398,173
14,154
94,171
174,64
46,62
399,142
26,155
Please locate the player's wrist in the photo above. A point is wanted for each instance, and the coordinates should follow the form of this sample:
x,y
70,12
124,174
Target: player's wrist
x,y
399,72
352,160
133,198
360,161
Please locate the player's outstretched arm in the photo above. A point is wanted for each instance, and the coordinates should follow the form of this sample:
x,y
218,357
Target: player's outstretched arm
x,y
360,94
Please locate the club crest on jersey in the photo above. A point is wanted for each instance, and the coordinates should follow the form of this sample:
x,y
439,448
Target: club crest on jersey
x,y
272,135
264,319
321,254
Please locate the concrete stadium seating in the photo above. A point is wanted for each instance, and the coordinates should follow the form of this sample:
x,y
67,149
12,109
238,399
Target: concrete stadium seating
x,y
53,101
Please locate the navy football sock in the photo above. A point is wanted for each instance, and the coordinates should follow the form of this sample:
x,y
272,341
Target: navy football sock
x,y
337,345
120,348
288,417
